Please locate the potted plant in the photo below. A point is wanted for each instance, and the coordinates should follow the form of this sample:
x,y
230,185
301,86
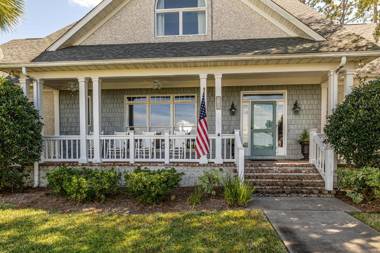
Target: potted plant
x,y
304,140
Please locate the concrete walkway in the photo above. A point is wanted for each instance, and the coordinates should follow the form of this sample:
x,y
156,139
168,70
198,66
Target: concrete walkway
x,y
318,225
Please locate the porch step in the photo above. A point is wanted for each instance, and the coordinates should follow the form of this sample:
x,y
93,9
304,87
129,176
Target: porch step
x,y
284,177
282,190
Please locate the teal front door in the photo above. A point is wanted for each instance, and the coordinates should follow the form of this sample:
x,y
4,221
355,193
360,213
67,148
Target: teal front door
x,y
263,130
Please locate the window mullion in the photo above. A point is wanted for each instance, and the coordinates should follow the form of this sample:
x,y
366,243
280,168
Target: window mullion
x,y
181,22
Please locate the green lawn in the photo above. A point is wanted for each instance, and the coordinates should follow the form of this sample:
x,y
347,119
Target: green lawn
x,y
371,219
29,230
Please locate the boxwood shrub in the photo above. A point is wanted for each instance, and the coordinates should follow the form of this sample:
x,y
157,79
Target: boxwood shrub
x,y
84,184
360,184
150,186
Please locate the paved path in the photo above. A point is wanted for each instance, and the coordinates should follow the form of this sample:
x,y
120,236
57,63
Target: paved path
x,y
318,225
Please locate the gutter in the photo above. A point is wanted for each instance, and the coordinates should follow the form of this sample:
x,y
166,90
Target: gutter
x,y
194,59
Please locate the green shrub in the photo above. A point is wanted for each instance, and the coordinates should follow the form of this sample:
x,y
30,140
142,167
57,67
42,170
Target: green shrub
x,y
236,192
196,197
84,184
12,179
353,130
210,181
20,135
150,186
360,184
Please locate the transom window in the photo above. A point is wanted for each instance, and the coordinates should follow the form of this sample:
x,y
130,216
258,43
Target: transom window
x,y
180,17
161,114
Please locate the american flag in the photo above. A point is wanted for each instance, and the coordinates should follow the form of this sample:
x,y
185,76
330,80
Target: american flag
x,y
202,142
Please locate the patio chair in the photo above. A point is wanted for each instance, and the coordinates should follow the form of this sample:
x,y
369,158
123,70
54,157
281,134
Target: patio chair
x,y
179,145
118,148
145,145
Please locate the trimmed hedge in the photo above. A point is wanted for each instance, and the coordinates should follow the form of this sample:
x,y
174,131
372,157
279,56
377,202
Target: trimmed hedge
x,y
151,187
84,184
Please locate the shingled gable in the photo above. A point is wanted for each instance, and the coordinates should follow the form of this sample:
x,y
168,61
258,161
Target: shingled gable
x,y
108,8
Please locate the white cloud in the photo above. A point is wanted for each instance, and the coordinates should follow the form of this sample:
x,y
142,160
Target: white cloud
x,y
86,3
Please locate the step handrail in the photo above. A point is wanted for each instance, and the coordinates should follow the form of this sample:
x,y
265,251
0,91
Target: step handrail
x,y
239,155
323,157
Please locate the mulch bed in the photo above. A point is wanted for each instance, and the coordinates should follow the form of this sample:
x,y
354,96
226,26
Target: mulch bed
x,y
368,207
46,200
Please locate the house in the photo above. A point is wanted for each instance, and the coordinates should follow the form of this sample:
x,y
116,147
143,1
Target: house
x,y
122,86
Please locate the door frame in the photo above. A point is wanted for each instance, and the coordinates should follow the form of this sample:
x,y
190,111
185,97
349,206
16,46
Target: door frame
x,y
247,149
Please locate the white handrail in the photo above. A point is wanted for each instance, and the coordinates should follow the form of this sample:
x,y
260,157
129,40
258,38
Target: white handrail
x,y
239,155
323,157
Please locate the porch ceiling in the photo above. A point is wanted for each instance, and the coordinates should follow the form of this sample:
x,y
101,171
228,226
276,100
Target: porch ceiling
x,y
193,81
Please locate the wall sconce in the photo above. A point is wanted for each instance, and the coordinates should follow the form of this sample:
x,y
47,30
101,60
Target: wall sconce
x,y
296,107
233,109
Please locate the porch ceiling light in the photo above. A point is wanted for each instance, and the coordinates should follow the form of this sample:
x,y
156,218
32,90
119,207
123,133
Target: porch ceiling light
x,y
157,85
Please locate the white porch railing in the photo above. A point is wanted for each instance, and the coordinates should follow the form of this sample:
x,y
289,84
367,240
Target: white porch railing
x,y
137,148
240,157
61,148
322,155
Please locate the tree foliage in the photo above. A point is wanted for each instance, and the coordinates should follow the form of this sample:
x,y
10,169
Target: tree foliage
x,y
354,128
10,12
20,128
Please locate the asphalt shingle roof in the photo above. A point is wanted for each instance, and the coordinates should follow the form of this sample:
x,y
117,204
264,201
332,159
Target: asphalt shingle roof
x,y
196,49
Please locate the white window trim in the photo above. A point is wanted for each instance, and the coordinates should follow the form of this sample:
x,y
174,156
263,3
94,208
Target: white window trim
x,y
180,11
268,92
148,104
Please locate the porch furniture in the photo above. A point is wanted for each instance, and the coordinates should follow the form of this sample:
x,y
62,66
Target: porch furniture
x,y
180,145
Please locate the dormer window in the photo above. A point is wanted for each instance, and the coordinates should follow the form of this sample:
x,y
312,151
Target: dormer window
x,y
180,17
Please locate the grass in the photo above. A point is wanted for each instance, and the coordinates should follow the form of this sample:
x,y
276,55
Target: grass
x,y
371,219
30,230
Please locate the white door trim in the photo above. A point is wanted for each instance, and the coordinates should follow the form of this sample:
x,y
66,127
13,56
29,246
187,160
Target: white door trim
x,y
285,100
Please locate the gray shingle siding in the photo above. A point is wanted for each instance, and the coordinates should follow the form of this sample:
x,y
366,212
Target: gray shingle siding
x,y
308,96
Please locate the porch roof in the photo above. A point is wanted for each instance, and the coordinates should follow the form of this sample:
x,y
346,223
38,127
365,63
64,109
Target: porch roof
x,y
247,47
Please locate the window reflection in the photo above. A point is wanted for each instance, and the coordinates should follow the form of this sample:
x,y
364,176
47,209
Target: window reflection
x,y
280,124
184,117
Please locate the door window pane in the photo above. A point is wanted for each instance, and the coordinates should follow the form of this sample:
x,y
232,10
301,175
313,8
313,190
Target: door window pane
x,y
263,116
194,23
263,140
185,117
246,123
168,24
280,124
263,96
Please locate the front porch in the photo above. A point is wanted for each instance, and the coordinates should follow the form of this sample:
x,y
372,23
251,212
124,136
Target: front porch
x,y
152,118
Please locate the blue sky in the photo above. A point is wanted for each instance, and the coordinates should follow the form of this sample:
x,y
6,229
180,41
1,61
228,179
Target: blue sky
x,y
43,17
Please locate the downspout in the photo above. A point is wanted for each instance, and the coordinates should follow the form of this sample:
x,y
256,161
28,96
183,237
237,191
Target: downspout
x,y
343,63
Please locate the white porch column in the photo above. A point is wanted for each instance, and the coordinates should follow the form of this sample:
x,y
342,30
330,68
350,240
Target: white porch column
x,y
56,113
203,90
333,91
24,86
38,88
348,81
97,98
38,104
324,105
83,95
218,119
